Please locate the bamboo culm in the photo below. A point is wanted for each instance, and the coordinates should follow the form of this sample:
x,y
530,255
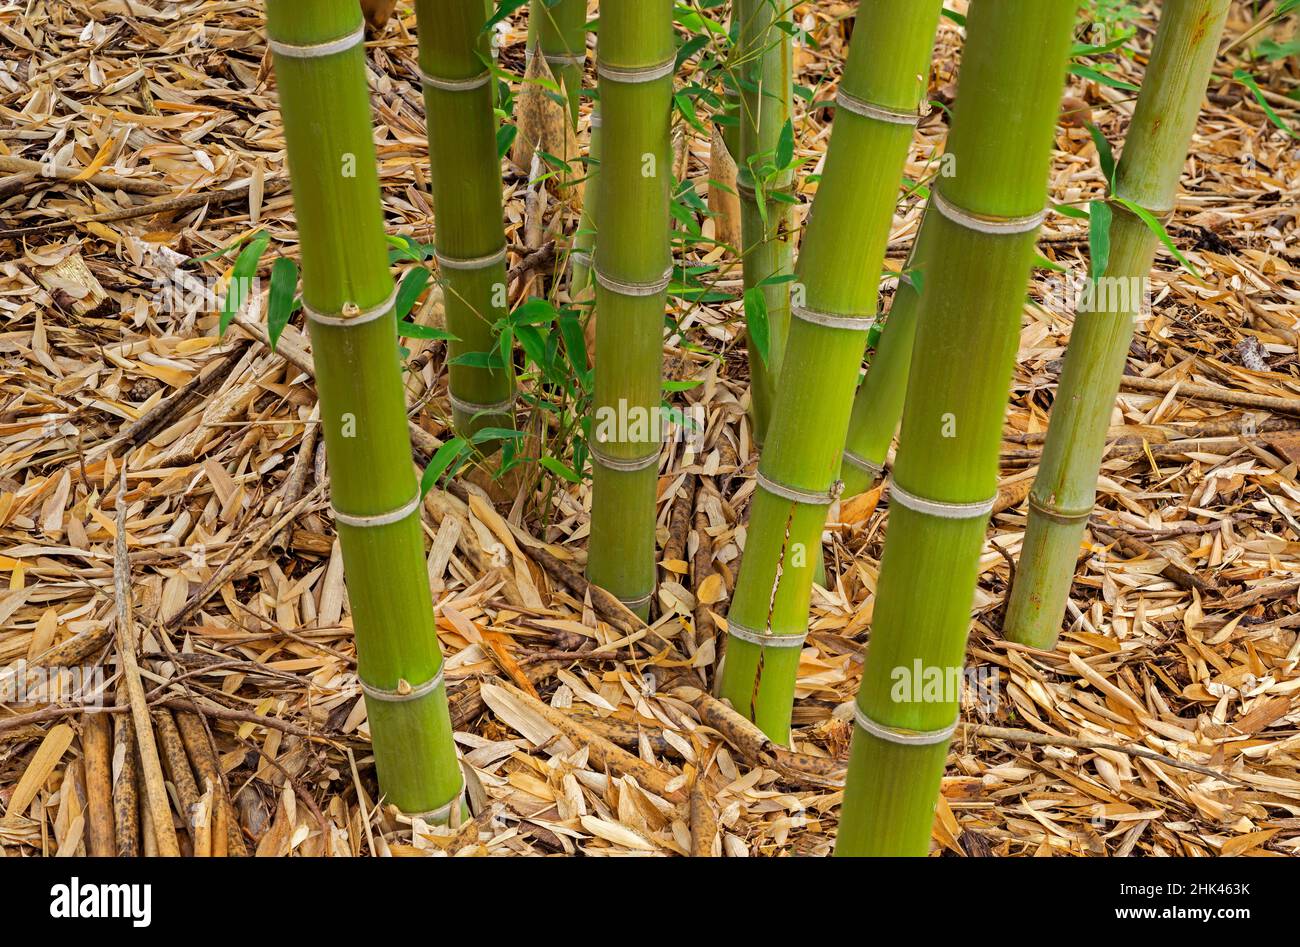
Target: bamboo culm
x,y
985,219
465,171
764,67
560,30
833,307
348,295
635,64
1065,489
878,405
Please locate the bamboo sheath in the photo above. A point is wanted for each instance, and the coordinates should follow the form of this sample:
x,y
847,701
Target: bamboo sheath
x,y
636,62
465,172
984,219
560,30
764,67
834,299
348,296
1065,489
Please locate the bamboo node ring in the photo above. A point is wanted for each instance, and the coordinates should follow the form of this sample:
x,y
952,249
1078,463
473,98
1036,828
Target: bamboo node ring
x,y
456,85
404,690
901,735
352,314
471,263
380,519
566,59
660,70
441,813
317,50
866,466
832,320
880,113
634,289
764,640
621,464
635,603
1059,516
473,410
799,495
984,223
947,511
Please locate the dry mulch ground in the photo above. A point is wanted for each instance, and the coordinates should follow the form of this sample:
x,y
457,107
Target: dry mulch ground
x,y
1168,721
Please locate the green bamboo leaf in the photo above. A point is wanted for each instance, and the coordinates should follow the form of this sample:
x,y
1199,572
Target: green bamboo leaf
x,y
504,9
1099,77
221,251
1158,229
241,277
1246,79
413,284
760,331
561,469
685,385
785,146
1065,210
442,460
413,330
505,138
1105,155
1099,237
281,304
575,348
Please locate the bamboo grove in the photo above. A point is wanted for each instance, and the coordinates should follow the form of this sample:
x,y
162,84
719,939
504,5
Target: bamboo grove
x,y
938,369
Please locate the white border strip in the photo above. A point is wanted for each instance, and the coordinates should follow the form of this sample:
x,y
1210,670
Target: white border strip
x,y
901,735
989,225
379,519
342,320
401,696
340,45
947,511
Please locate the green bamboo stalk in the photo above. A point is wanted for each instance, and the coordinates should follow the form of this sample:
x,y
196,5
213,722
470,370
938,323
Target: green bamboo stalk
x,y
467,206
834,306
559,30
878,405
584,241
348,294
1065,489
765,74
985,220
633,261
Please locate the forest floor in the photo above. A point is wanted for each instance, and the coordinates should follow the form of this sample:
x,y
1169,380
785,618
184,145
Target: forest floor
x,y
1167,722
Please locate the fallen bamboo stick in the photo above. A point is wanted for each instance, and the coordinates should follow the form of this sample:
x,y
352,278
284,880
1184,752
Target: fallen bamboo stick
x,y
1187,389
150,767
202,756
96,748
